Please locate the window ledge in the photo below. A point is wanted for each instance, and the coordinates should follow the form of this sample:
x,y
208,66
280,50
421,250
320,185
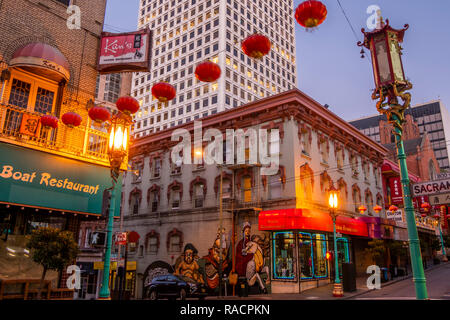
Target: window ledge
x,y
324,164
174,174
340,170
306,156
155,178
198,169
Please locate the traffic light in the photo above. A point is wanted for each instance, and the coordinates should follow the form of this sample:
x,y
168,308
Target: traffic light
x,y
106,203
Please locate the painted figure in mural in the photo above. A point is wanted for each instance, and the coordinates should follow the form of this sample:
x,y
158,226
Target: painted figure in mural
x,y
212,263
250,258
187,265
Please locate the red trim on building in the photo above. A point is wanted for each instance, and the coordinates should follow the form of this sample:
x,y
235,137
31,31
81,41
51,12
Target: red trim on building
x,y
304,219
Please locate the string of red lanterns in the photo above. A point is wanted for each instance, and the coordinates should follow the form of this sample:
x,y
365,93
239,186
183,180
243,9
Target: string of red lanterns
x,y
71,119
256,46
207,71
311,13
127,105
49,121
99,114
163,92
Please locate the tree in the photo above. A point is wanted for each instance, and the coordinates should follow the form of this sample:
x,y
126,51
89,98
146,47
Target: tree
x,y
53,249
376,249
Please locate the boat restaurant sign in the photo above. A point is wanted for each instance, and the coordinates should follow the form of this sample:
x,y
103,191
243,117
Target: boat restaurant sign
x,y
38,179
431,187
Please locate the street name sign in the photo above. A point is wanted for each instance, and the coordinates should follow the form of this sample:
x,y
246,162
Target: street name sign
x,y
431,187
440,199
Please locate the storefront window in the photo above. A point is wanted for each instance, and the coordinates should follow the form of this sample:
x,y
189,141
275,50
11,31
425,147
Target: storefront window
x,y
305,255
319,255
283,246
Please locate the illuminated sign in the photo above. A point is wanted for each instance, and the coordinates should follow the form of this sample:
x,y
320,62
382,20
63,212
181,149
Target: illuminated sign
x,y
125,52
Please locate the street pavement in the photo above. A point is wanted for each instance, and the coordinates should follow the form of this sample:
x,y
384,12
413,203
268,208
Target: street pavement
x,y
438,285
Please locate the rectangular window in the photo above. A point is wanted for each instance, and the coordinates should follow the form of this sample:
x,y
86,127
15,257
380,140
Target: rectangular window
x,y
319,252
283,255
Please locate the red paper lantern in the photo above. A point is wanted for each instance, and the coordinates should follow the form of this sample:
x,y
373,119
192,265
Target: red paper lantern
x,y
425,206
256,46
164,92
437,216
207,71
127,105
423,215
49,121
377,209
393,208
311,13
99,114
362,209
71,119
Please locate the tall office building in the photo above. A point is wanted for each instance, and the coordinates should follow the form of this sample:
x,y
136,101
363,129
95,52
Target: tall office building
x,y
431,117
188,32
110,87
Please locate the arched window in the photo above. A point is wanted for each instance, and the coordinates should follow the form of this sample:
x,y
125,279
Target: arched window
x,y
174,241
152,242
431,170
356,192
307,181
153,197
369,201
135,200
198,191
175,194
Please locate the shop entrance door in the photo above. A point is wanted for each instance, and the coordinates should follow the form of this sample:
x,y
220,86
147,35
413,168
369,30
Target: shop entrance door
x,y
343,253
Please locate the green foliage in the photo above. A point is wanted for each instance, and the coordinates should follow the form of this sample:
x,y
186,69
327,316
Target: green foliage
x,y
396,248
446,241
52,248
435,243
376,249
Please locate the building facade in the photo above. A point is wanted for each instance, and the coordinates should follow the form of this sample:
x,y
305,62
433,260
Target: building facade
x,y
189,32
176,211
110,87
432,118
51,177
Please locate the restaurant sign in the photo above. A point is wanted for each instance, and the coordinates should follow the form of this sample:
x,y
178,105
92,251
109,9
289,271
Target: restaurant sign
x,y
39,179
124,52
431,187
395,215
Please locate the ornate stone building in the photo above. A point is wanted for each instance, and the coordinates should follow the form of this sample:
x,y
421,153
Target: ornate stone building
x,y
174,204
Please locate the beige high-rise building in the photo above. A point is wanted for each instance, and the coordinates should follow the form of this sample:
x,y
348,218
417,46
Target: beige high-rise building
x,y
188,32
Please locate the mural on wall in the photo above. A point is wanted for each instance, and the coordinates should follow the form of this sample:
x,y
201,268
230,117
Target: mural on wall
x,y
155,269
212,261
250,258
186,264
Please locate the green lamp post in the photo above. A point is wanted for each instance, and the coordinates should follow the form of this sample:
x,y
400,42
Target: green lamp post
x,y
391,84
438,222
118,143
333,205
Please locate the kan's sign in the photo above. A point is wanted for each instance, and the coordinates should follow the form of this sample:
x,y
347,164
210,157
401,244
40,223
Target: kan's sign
x,y
431,187
124,52
396,190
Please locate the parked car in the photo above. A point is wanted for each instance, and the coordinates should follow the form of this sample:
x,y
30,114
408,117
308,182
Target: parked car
x,y
175,286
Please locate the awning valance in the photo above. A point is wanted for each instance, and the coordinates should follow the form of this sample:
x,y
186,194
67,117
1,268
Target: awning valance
x,y
305,219
42,59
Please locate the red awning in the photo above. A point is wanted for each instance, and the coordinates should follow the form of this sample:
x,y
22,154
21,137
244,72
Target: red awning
x,y
42,59
305,219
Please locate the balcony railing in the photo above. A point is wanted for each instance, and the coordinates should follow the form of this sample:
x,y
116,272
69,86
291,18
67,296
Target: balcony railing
x,y
80,142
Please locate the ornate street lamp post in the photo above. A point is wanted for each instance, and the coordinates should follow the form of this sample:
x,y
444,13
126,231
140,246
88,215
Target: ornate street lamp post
x,y
333,204
117,151
391,84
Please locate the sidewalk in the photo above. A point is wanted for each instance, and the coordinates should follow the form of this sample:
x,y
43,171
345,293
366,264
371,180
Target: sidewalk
x,y
324,292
